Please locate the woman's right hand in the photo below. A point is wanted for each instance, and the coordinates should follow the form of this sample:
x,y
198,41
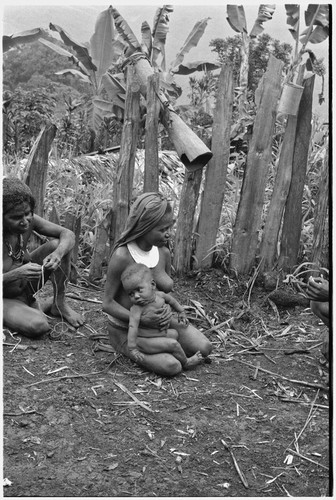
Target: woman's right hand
x,y
318,289
157,319
28,271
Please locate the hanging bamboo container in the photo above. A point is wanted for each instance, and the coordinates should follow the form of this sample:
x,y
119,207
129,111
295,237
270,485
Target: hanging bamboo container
x,y
290,99
192,151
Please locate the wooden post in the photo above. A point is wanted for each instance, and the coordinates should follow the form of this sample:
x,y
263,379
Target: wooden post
x,y
185,221
320,251
74,224
151,175
37,166
123,180
244,69
99,251
54,216
190,148
291,229
248,220
215,175
269,245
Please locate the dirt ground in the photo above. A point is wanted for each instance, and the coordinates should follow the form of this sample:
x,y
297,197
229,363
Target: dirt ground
x,y
80,421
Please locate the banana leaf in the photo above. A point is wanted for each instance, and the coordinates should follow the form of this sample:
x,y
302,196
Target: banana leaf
x,y
146,39
188,68
236,18
23,37
80,49
101,43
265,13
106,107
160,30
192,40
168,84
74,72
101,109
125,32
65,53
318,35
322,18
114,89
293,19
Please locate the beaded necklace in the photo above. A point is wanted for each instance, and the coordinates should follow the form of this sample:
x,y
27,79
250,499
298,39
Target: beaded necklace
x,y
18,255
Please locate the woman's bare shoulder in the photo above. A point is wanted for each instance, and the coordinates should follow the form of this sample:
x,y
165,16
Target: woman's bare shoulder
x,y
164,252
120,258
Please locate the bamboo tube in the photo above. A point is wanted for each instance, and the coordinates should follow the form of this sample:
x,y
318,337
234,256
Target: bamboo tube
x,y
192,151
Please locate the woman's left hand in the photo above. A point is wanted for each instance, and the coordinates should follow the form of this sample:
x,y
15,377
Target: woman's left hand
x,y
165,317
182,318
157,319
52,261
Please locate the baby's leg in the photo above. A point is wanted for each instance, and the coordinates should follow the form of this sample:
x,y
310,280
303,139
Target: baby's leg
x,y
171,345
172,334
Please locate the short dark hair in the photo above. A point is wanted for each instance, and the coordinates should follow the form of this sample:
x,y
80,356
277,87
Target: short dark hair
x,y
140,269
15,192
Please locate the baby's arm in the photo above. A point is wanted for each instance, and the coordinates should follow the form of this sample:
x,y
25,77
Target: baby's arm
x,y
133,325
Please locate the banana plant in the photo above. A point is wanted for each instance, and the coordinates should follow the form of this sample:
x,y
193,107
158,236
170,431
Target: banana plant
x,y
92,62
153,44
317,30
112,43
237,20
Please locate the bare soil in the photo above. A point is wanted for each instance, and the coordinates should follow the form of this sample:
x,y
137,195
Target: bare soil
x,y
81,421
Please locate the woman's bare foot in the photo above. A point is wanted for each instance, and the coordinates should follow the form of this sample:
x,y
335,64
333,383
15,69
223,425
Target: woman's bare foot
x,y
66,313
194,360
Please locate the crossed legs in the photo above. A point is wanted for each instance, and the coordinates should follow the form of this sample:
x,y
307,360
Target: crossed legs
x,y
25,316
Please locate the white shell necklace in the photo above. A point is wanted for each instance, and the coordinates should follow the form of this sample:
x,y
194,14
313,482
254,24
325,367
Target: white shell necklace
x,y
150,258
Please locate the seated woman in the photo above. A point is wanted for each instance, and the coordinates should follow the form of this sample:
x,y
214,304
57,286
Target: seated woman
x,y
318,293
24,272
144,241
138,283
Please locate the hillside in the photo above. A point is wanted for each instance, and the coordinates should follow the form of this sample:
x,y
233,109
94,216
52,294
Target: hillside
x,y
79,21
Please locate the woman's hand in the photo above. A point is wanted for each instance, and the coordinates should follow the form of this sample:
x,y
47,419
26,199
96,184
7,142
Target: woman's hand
x,y
318,289
182,318
28,271
159,319
52,261
15,280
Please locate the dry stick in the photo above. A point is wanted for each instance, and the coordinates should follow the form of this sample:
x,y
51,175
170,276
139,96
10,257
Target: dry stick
x,y
288,400
240,473
310,416
123,388
302,382
254,277
76,297
256,372
305,458
22,413
81,375
215,327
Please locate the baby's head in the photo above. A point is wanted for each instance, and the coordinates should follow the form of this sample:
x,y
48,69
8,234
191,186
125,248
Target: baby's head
x,y
138,283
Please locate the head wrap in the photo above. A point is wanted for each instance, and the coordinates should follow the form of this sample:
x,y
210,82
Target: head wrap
x,y
146,212
15,192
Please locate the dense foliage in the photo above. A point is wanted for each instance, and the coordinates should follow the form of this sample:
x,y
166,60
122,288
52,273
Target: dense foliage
x,y
228,50
34,94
